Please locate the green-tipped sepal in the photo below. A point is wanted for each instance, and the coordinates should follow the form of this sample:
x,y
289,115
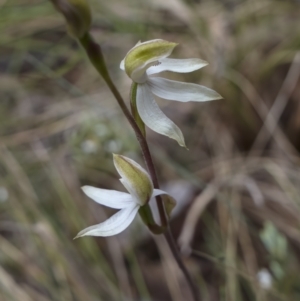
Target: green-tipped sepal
x,y
144,55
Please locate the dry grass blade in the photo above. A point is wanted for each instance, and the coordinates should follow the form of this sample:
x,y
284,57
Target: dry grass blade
x,y
286,90
194,213
171,271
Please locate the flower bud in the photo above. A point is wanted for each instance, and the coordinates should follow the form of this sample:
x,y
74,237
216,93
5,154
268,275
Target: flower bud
x,y
77,14
135,179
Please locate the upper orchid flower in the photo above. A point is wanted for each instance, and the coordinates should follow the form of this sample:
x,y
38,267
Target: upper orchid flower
x,y
148,58
139,185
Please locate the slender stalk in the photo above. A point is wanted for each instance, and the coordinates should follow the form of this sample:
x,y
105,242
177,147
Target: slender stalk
x,y
95,55
172,244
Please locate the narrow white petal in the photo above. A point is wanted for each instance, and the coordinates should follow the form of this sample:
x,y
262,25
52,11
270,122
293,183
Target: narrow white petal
x,y
184,92
177,65
110,198
112,226
154,118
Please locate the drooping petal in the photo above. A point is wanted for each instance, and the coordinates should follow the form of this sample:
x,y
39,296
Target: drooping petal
x,y
153,116
112,226
177,65
109,198
135,179
179,91
145,54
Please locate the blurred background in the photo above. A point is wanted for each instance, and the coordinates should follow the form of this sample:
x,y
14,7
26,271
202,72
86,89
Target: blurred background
x,y
237,221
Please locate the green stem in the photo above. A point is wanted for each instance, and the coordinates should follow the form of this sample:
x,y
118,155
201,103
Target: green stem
x,y
174,249
134,111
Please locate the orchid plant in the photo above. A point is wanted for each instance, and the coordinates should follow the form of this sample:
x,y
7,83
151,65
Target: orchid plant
x,y
141,64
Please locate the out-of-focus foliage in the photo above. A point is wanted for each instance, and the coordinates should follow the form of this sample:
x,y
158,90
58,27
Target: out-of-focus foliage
x,y
238,195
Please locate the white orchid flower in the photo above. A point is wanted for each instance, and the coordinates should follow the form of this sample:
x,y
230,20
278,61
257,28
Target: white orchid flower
x,y
139,185
149,58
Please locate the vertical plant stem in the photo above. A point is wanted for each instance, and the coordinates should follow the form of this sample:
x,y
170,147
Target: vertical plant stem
x,y
95,55
174,249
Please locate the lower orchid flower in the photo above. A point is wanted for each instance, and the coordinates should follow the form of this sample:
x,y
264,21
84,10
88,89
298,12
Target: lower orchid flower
x,y
139,185
149,58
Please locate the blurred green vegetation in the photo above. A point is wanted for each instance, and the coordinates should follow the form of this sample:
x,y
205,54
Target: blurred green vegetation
x,y
240,216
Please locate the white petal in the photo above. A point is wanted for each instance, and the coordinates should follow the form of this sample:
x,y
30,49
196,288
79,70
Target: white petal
x,y
110,198
157,192
114,225
154,118
173,90
169,201
122,65
177,65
